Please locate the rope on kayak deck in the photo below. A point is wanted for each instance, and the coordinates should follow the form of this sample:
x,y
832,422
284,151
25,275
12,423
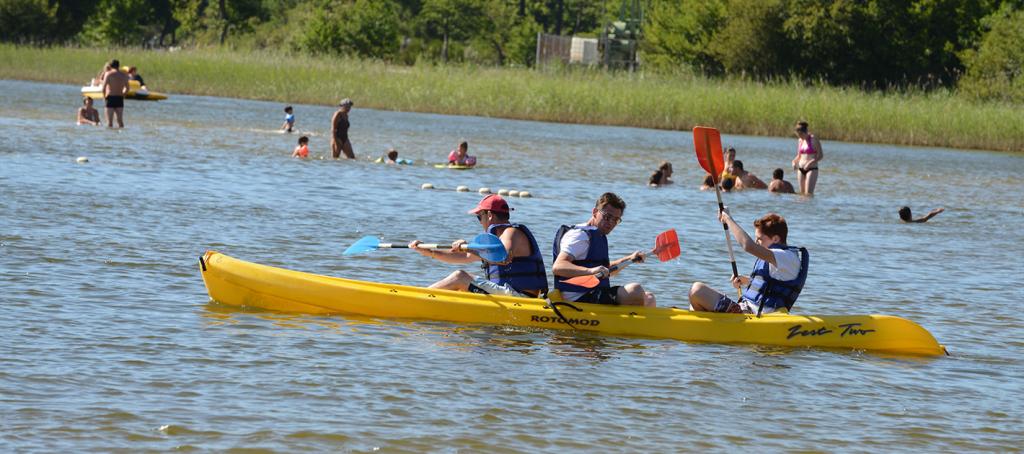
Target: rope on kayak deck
x,y
554,306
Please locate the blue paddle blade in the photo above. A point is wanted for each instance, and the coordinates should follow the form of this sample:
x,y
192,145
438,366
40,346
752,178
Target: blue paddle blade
x,y
488,247
365,244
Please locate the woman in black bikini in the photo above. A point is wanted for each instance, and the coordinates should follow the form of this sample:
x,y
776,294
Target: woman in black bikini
x,y
808,153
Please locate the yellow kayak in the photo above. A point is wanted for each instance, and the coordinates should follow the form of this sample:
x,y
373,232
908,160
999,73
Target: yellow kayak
x,y
239,283
134,92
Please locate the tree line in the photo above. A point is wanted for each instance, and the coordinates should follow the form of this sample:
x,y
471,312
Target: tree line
x,y
975,46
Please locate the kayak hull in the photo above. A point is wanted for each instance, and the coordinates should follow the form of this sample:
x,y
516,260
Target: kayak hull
x,y
96,92
452,166
236,282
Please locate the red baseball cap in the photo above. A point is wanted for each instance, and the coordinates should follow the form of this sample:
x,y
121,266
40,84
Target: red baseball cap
x,y
493,202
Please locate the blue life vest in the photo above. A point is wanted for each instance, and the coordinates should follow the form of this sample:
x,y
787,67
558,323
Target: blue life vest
x,y
597,255
773,292
522,273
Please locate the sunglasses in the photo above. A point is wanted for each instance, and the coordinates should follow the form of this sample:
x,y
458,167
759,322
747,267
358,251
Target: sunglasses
x,y
480,215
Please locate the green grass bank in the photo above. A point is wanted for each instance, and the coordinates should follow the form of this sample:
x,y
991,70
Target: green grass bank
x,y
572,96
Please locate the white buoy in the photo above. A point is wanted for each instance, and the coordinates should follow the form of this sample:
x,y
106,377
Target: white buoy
x,y
524,194
484,190
513,193
82,160
462,189
427,186
502,191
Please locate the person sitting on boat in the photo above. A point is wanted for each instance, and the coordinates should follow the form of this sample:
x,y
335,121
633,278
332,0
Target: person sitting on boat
x,y
744,179
87,114
460,156
523,274
778,277
662,176
98,80
582,250
133,74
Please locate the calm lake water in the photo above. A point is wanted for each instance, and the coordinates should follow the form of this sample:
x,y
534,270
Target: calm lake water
x,y
109,341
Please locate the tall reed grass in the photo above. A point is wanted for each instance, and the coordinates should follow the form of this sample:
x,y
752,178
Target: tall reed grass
x,y
736,106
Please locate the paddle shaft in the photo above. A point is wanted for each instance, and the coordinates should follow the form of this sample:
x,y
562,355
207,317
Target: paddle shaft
x,y
622,265
419,246
725,226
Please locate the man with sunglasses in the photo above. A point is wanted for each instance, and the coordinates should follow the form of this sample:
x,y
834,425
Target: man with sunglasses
x,y
523,274
582,250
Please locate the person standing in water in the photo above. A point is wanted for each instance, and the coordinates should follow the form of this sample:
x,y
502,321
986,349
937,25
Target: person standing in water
x,y
339,131
289,120
115,87
87,114
808,154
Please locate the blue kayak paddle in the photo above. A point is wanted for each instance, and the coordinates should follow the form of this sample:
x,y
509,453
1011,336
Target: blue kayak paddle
x,y
487,246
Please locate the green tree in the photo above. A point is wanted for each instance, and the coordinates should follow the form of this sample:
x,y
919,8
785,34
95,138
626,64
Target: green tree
x,y
372,28
27,21
449,20
71,16
365,28
752,41
680,35
118,22
322,34
201,18
996,69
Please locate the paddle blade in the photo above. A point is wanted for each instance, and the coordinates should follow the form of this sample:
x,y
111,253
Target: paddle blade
x,y
666,246
707,143
584,281
488,247
365,244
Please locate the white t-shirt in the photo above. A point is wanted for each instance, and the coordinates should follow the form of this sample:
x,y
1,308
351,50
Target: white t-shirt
x,y
786,268
576,243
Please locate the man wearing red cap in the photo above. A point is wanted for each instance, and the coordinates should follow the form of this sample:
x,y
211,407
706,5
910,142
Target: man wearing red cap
x,y
522,275
582,250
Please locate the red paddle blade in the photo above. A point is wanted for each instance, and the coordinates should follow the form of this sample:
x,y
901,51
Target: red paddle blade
x,y
584,281
666,246
707,142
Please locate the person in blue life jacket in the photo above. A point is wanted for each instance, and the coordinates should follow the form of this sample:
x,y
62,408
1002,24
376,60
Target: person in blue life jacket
x,y
289,120
778,277
582,250
523,274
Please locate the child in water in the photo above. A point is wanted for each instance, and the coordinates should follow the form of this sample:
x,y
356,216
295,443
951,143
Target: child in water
x,y
302,150
289,120
460,156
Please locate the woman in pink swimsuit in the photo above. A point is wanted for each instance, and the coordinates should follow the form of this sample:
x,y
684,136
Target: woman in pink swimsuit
x,y
808,154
